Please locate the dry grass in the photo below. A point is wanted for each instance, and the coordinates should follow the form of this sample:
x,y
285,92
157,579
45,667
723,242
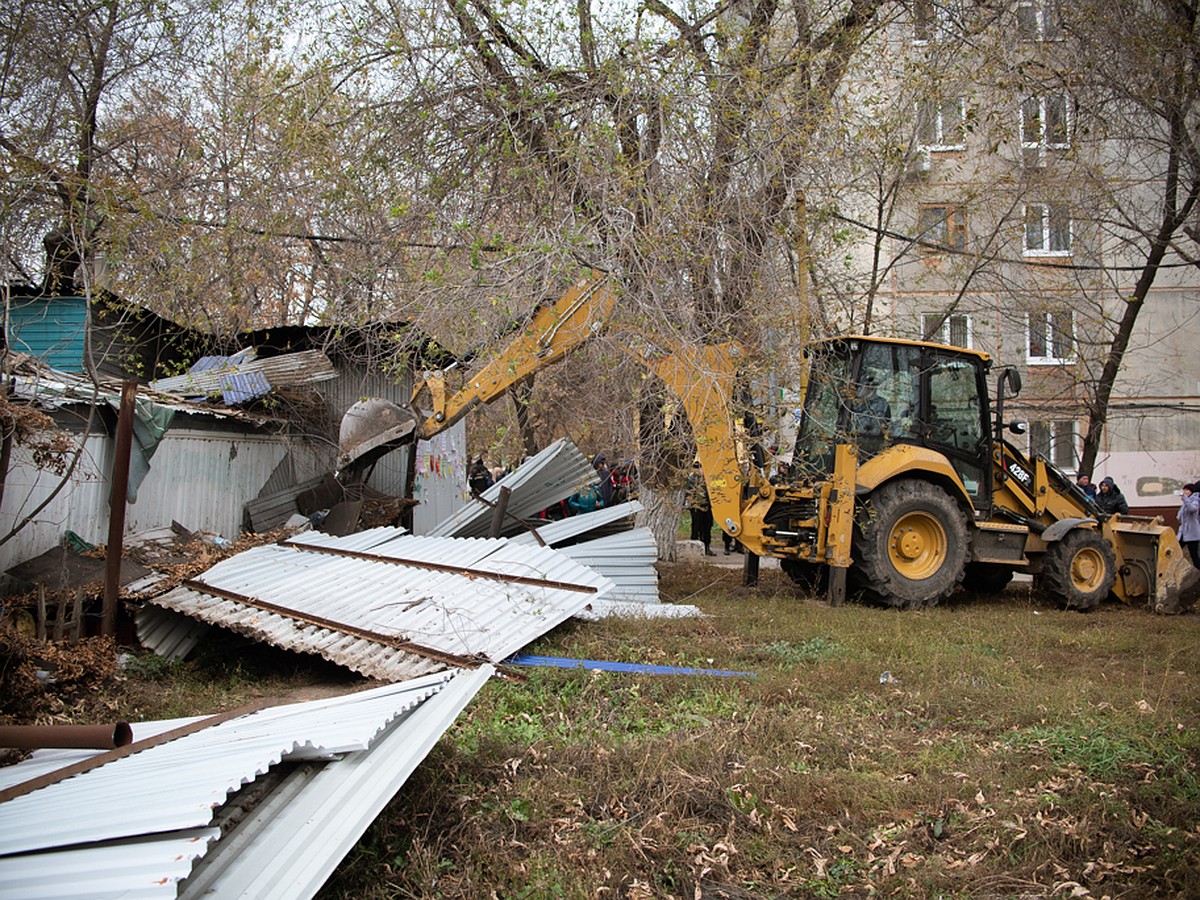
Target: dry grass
x,y
1021,751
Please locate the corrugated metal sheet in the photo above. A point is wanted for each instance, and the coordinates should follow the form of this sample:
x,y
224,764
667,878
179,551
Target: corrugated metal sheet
x,y
161,801
552,475
148,869
293,851
210,380
51,329
627,559
402,606
169,634
607,520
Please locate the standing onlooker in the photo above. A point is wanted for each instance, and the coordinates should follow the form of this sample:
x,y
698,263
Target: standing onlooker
x,y
1110,499
1189,522
600,464
479,478
700,509
1085,484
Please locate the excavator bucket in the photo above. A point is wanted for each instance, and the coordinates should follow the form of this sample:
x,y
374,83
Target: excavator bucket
x,y
373,427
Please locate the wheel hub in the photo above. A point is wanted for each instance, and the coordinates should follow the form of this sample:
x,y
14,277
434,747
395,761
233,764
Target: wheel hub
x,y
917,545
1087,569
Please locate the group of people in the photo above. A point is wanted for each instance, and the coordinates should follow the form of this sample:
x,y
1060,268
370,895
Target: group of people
x,y
1109,499
1107,496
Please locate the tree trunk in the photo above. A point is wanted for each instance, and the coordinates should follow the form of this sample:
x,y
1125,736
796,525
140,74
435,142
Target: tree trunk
x,y
660,513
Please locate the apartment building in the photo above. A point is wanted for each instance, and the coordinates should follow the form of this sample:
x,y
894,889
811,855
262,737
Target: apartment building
x,y
1016,231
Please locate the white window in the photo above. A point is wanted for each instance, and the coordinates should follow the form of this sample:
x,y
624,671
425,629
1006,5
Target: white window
x,y
947,328
1054,440
933,20
940,124
1038,20
1050,337
1045,125
1047,230
942,227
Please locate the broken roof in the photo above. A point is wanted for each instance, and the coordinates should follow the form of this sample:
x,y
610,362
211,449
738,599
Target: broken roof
x,y
389,604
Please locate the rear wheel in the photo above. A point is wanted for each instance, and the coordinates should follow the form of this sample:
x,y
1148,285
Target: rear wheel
x,y
910,547
1079,570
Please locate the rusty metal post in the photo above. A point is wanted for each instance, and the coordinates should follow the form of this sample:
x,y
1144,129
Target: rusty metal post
x,y
116,515
499,511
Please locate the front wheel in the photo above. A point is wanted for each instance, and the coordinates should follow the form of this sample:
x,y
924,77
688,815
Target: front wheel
x,y
1079,570
910,546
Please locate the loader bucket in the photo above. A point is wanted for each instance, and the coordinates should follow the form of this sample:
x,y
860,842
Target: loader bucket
x,y
1152,566
371,428
1178,583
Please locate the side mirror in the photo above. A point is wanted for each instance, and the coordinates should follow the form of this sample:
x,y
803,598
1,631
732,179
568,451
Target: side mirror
x,y
1012,381
1018,427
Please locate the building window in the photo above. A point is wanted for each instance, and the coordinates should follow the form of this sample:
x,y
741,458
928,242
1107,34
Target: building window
x,y
953,328
940,124
1045,125
942,227
1047,230
933,19
1054,440
1051,337
1038,20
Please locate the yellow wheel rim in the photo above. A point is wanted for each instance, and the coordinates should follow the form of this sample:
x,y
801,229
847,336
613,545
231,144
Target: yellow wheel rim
x,y
917,545
1087,569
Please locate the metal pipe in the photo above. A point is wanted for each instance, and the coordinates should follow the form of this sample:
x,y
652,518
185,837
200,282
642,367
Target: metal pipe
x,y
81,737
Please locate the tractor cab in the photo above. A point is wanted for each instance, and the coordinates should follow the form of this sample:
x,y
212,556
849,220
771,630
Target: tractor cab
x,y
876,394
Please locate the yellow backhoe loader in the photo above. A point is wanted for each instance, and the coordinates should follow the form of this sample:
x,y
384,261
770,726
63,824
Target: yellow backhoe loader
x,y
901,486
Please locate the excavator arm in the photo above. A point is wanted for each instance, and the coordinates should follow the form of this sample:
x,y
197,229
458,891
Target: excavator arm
x,y
552,333
701,377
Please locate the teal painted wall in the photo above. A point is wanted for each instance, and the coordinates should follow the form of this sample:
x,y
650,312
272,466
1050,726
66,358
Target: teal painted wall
x,y
52,329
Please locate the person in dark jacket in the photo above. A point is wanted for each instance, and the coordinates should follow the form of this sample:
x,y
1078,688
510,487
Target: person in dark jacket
x,y
1110,499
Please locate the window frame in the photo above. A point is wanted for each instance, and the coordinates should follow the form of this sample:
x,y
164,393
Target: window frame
x,y
932,20
1061,434
932,112
1046,20
1048,229
944,333
1050,321
1036,146
951,225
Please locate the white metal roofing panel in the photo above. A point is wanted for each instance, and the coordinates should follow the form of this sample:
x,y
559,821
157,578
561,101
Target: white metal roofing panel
x,y
632,609
292,851
552,475
367,744
169,634
453,599
627,559
149,868
555,533
177,785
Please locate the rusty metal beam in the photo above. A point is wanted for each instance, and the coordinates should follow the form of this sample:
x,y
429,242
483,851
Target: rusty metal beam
x,y
84,737
394,641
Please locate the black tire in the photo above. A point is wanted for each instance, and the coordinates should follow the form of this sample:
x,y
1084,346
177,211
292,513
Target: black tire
x,y
1079,570
812,578
986,578
910,545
